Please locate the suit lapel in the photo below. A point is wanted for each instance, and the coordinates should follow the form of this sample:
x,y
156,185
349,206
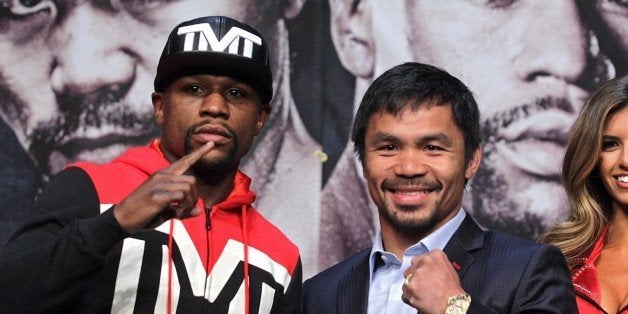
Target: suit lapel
x,y
353,289
467,238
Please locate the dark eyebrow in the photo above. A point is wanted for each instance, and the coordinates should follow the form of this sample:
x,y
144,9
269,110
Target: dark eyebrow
x,y
382,137
438,137
609,137
435,137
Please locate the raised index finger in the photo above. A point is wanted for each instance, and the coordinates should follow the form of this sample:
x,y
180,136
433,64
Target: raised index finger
x,y
182,165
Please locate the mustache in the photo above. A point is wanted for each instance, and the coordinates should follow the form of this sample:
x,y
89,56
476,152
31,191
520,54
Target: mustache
x,y
92,115
414,183
192,129
502,119
212,172
55,132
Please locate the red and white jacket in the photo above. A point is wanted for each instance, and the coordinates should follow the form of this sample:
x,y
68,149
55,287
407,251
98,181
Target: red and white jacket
x,y
228,260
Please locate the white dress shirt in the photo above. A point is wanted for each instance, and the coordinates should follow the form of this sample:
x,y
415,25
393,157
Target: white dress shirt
x,y
386,270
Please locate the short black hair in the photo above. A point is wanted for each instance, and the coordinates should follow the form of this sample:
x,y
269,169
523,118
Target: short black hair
x,y
416,84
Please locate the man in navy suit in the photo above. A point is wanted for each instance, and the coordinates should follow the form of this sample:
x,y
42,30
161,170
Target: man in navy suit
x,y
417,135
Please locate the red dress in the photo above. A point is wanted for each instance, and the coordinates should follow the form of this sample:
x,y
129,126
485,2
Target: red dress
x,y
585,282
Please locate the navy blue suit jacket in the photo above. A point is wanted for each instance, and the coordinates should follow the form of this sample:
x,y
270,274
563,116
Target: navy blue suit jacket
x,y
503,274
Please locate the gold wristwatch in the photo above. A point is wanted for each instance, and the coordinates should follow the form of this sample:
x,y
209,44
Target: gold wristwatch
x,y
458,304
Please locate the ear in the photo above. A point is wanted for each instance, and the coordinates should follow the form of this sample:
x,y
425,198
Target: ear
x,y
158,107
263,115
351,33
474,164
292,8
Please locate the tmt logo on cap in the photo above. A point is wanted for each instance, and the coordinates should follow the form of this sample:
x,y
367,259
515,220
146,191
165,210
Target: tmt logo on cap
x,y
216,45
205,38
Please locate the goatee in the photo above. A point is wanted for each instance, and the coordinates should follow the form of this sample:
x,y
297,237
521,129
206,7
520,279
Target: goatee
x,y
213,172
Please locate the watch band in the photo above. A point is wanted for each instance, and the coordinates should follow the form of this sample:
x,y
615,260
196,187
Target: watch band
x,y
458,304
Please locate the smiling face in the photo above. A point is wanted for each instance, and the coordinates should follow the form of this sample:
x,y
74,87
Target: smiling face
x,y
415,168
197,109
613,158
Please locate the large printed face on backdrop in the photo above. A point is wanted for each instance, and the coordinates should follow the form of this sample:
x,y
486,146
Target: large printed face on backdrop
x,y
530,79
529,63
76,76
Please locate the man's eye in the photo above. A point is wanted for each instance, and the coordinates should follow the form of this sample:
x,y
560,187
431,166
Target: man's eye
x,y
388,148
432,148
27,7
236,92
24,19
193,89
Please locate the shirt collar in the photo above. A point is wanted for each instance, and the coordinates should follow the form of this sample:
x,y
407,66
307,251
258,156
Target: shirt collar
x,y
435,240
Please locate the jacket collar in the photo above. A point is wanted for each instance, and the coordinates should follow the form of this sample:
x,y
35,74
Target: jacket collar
x,y
354,287
467,238
584,277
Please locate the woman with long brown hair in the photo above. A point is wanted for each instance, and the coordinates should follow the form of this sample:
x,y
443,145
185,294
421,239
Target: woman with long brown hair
x,y
594,239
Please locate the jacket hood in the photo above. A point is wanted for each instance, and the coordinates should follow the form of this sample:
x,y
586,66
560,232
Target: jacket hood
x,y
138,157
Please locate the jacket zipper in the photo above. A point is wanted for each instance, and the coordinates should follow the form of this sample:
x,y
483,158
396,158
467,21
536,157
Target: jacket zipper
x,y
208,221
